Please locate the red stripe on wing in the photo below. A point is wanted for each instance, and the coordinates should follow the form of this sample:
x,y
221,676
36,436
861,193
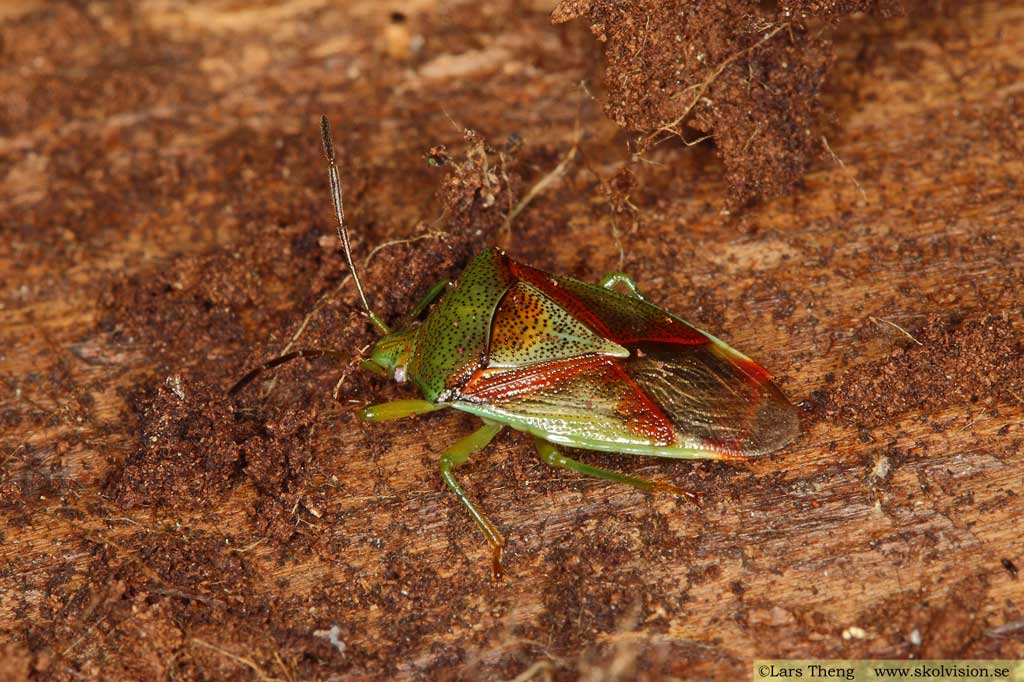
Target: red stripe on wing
x,y
494,385
572,378
644,417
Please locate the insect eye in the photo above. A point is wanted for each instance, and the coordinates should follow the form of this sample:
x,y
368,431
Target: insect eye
x,y
400,374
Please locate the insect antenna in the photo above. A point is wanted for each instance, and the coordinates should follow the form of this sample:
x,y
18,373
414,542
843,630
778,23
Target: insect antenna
x,y
339,212
308,353
311,353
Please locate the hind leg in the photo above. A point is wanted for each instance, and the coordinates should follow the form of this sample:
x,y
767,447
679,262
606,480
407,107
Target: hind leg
x,y
550,455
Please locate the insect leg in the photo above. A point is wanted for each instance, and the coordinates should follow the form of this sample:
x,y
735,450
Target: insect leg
x,y
308,353
611,279
399,409
458,454
550,454
434,292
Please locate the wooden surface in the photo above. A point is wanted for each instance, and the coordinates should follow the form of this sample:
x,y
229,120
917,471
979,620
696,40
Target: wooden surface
x,y
166,225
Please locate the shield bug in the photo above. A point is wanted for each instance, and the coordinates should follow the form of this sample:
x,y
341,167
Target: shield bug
x,y
596,367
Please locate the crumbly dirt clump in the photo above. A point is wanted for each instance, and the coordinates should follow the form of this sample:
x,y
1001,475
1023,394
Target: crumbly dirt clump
x,y
746,75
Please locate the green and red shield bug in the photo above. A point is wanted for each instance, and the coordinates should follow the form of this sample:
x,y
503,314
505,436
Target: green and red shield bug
x,y
574,364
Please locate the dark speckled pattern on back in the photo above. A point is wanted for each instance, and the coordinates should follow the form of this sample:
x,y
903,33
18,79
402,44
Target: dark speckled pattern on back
x,y
611,315
529,328
452,342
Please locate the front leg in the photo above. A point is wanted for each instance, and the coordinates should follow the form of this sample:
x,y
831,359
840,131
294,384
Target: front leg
x,y
457,455
454,456
431,296
399,409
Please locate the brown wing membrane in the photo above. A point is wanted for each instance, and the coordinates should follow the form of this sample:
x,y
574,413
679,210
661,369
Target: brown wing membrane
x,y
716,399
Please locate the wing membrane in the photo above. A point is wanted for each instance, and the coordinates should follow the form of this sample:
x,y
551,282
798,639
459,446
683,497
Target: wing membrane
x,y
715,398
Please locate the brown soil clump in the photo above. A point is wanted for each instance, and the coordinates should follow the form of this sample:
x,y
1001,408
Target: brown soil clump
x,y
744,74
